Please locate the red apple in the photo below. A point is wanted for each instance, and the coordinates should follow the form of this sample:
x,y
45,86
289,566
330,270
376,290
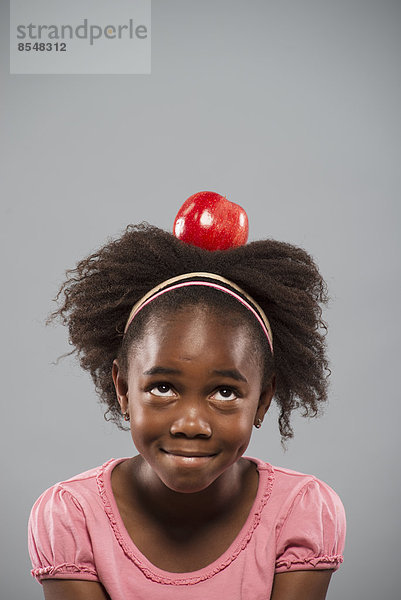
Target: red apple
x,y
210,221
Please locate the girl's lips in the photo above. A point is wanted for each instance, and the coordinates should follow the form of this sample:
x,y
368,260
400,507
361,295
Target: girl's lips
x,y
188,458
188,453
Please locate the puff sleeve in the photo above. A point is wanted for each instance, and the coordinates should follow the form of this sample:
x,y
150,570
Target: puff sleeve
x,y
313,532
58,541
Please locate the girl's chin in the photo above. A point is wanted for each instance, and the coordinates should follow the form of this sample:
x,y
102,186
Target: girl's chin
x,y
189,483
186,474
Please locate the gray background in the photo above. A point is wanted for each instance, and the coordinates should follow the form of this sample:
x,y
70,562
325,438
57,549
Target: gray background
x,y
292,110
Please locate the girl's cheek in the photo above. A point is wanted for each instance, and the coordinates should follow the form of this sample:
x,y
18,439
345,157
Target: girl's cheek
x,y
146,424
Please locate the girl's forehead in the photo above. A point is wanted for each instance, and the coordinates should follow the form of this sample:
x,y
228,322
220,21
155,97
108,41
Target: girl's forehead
x,y
196,333
192,319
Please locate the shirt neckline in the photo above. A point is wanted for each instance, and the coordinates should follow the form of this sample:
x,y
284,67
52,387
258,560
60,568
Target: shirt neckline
x,y
151,571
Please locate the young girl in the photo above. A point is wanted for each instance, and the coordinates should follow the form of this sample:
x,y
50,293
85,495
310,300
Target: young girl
x,y
190,346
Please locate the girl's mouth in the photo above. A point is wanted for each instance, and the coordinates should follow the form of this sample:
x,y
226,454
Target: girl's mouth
x,y
188,457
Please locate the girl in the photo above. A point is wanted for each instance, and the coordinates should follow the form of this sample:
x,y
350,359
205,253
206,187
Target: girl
x,y
190,346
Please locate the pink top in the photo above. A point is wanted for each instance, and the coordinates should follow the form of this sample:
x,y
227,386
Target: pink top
x,y
297,522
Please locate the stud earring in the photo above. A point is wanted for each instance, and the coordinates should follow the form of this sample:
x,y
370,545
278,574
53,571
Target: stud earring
x,y
126,415
258,424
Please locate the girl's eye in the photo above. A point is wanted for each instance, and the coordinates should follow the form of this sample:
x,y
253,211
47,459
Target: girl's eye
x,y
162,390
225,394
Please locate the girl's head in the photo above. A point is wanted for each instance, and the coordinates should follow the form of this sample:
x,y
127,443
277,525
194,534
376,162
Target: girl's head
x,y
283,279
193,389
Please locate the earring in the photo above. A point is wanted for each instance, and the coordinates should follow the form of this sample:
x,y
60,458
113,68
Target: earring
x,y
126,415
258,424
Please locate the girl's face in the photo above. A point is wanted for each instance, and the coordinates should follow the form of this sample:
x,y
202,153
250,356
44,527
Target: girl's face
x,y
193,392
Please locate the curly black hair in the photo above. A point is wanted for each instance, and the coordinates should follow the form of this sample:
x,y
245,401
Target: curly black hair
x,y
284,280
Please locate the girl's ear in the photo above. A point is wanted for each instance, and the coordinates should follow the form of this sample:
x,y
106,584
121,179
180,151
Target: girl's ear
x,y
265,399
120,385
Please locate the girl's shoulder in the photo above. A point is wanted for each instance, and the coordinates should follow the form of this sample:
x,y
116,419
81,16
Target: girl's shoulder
x,y
289,488
82,487
283,477
71,510
309,519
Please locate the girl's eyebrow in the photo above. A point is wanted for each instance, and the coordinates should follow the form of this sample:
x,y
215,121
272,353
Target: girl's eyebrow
x,y
232,373
162,371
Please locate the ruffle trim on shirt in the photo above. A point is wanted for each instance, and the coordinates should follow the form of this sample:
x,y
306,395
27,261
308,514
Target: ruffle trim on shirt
x,y
206,572
62,569
310,563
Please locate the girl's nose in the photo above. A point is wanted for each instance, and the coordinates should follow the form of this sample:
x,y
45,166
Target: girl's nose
x,y
191,422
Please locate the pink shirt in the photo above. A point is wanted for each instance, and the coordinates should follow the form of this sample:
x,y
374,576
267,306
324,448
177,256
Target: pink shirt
x,y
296,522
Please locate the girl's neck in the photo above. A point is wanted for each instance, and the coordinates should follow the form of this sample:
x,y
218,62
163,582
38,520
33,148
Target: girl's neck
x,y
222,496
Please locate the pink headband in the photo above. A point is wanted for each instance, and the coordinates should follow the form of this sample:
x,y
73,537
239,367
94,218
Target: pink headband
x,y
162,289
